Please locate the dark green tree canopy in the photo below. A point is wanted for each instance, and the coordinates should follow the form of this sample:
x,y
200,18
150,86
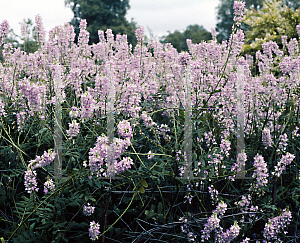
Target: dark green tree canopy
x,y
269,24
194,32
226,14
102,15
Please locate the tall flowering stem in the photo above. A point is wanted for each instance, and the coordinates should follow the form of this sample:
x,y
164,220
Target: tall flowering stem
x,y
239,7
260,174
94,230
4,29
30,181
281,166
39,30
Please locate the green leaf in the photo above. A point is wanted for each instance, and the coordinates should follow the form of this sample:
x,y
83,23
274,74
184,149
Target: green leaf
x,y
2,200
160,207
144,183
32,226
194,157
142,189
26,235
149,215
152,208
212,172
161,218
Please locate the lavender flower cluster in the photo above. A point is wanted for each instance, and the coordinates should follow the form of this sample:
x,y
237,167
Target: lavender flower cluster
x,y
74,113
294,133
209,138
221,208
186,229
242,158
239,11
225,146
275,225
39,29
23,29
88,210
282,143
213,224
244,207
124,129
99,152
74,129
281,166
230,234
87,104
139,33
150,155
30,175
42,161
94,230
49,186
266,138
2,110
244,203
33,93
30,181
213,193
260,173
4,29
83,37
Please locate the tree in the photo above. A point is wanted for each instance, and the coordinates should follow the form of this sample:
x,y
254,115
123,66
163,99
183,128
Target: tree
x,y
29,45
11,38
294,4
226,14
269,24
102,15
194,32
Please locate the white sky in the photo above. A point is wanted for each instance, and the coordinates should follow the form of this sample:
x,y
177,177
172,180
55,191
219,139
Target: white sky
x,y
159,15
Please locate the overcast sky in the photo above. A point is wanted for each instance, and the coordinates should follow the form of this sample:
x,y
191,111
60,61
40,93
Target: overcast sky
x,y
158,15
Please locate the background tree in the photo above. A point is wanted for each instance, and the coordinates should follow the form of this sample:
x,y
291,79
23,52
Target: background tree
x,y
226,14
269,24
294,4
29,44
10,38
102,15
194,32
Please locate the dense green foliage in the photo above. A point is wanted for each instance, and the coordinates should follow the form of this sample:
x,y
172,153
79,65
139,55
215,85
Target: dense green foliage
x,y
103,15
194,32
269,24
225,17
226,13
